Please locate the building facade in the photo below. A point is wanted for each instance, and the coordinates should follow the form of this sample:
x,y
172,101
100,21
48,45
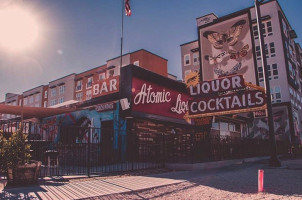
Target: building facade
x,y
89,84
61,91
33,97
283,62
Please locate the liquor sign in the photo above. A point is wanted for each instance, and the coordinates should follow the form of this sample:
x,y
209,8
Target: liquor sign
x,y
237,98
152,98
224,84
106,86
105,107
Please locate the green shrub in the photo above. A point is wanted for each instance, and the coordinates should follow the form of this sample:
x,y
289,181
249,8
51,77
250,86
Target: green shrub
x,y
14,150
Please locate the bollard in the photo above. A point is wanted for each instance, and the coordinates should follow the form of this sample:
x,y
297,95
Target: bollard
x,y
260,180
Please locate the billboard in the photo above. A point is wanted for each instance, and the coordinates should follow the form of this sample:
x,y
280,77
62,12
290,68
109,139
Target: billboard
x,y
227,49
244,101
153,98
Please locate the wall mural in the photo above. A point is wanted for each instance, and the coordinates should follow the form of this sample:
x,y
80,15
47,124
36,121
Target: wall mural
x,y
84,119
227,49
259,128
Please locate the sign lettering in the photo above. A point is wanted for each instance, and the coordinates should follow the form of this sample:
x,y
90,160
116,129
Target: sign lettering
x,y
152,98
104,87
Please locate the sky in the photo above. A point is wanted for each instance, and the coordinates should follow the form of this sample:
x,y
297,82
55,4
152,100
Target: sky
x,y
78,35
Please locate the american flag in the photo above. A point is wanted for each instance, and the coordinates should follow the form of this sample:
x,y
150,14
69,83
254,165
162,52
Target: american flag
x,y
127,8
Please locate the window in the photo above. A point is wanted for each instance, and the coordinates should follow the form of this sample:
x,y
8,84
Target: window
x,y
260,74
111,73
79,85
258,53
79,96
292,72
266,29
187,72
263,29
25,101
136,63
52,102
266,51
285,31
88,94
102,76
187,59
291,52
61,100
276,94
31,99
195,58
53,92
62,89
275,71
255,32
37,97
45,94
272,49
89,82
45,104
269,52
272,72
269,28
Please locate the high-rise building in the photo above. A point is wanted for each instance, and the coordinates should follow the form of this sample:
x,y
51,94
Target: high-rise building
x,y
230,45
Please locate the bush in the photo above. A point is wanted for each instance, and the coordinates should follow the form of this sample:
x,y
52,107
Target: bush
x,y
14,150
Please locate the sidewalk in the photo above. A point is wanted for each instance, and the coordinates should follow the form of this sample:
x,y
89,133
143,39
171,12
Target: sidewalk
x,y
76,189
239,179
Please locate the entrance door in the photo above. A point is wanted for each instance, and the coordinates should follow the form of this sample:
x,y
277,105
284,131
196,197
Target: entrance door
x,y
107,132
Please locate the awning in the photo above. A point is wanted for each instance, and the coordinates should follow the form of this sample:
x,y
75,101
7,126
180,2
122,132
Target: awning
x,y
37,112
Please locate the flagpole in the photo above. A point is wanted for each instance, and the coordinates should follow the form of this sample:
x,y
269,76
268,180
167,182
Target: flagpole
x,y
122,33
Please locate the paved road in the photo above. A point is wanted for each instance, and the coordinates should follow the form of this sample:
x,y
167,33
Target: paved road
x,y
232,182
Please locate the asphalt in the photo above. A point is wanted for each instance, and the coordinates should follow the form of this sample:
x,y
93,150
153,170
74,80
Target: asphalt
x,y
236,177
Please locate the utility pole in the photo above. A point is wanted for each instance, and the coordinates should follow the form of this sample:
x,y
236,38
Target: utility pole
x,y
273,161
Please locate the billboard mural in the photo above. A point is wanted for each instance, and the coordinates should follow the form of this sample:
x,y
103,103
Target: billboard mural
x,y
227,49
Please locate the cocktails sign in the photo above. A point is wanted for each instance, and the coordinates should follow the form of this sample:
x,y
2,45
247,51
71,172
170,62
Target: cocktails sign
x,y
227,95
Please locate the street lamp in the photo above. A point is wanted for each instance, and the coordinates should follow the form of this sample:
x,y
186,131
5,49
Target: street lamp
x,y
273,161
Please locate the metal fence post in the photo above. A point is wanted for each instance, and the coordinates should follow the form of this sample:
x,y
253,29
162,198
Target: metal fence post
x,y
88,152
163,146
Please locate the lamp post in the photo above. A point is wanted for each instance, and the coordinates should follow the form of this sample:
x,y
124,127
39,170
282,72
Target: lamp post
x,y
273,161
22,112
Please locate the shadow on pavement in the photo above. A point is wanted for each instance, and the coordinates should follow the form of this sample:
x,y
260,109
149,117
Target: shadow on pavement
x,y
243,178
31,192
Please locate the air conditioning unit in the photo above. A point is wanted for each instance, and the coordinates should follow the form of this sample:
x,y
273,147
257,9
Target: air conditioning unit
x,y
125,104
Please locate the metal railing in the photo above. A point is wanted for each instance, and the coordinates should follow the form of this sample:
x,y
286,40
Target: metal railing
x,y
72,150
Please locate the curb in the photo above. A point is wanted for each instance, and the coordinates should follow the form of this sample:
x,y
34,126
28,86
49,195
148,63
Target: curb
x,y
212,165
